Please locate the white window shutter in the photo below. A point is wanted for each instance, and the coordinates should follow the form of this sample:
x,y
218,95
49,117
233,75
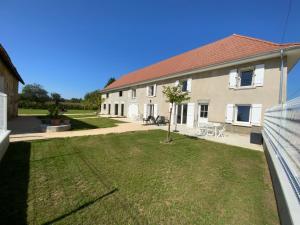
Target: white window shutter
x,y
155,111
233,78
129,93
256,114
176,83
190,115
189,85
229,113
145,111
154,94
147,91
259,75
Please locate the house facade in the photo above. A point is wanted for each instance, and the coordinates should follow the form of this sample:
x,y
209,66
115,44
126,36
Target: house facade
x,y
9,82
230,81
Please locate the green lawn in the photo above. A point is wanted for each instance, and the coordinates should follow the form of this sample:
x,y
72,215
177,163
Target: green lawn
x,y
45,111
132,178
82,123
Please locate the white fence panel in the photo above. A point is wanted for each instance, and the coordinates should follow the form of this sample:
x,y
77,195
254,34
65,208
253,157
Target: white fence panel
x,y
282,131
3,112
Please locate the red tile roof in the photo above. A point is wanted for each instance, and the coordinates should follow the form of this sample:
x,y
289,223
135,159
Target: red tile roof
x,y
231,48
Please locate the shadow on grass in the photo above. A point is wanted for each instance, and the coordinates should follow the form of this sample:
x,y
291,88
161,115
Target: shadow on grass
x,y
80,207
14,178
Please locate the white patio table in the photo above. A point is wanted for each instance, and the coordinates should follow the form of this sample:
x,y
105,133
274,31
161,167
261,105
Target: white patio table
x,y
214,126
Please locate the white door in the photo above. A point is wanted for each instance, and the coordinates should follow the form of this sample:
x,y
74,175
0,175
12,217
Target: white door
x,y
133,111
202,113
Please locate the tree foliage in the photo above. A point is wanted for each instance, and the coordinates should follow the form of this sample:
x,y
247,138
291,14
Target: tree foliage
x,y
34,93
110,81
174,95
93,99
56,98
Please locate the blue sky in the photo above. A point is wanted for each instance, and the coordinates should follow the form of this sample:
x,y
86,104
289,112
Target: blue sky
x,y
74,46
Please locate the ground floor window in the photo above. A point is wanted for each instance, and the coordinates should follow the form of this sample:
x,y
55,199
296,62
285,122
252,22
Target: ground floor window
x,y
181,114
150,110
108,108
116,109
104,106
243,113
203,112
122,109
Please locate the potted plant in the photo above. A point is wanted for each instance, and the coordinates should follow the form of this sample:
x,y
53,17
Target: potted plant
x,y
54,115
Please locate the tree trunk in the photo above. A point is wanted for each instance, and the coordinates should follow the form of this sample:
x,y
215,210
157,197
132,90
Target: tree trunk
x,y
169,125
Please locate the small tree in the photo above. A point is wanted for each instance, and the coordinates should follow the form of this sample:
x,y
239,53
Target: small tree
x,y
93,99
56,98
174,95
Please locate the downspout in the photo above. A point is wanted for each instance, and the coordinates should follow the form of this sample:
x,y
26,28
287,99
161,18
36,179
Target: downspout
x,y
281,77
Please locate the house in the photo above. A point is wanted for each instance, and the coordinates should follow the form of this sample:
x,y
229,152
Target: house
x,y
9,81
232,81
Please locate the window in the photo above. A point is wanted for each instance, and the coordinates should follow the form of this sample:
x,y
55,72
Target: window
x,y
203,111
150,110
104,106
246,78
243,113
151,90
133,93
116,109
182,114
107,95
184,85
120,93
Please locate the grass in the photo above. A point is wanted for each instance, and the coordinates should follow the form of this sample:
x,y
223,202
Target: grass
x,y
82,123
45,111
131,178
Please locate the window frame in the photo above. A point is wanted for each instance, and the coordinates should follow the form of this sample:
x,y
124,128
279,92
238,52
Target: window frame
x,y
242,123
186,87
240,72
133,96
153,89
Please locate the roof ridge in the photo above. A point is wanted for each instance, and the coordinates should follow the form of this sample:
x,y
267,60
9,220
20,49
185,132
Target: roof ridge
x,y
256,39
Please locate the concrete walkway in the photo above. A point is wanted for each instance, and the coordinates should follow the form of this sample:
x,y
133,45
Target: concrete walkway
x,y
122,127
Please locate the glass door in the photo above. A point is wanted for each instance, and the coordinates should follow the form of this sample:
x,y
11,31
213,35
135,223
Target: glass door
x,y
181,114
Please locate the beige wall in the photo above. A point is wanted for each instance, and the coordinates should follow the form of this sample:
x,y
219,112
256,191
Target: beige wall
x,y
214,87
10,87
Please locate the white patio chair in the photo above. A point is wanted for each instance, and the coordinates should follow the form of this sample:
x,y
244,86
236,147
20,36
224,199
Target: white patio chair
x,y
202,129
221,132
210,131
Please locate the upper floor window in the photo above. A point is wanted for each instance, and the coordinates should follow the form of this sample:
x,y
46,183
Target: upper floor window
x,y
120,93
246,78
151,90
107,95
184,85
133,93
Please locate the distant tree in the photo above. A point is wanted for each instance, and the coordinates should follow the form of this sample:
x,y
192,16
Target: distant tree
x,y
110,81
34,93
75,100
56,98
174,95
93,99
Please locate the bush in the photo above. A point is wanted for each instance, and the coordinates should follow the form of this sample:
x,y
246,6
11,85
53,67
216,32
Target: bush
x,y
46,105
